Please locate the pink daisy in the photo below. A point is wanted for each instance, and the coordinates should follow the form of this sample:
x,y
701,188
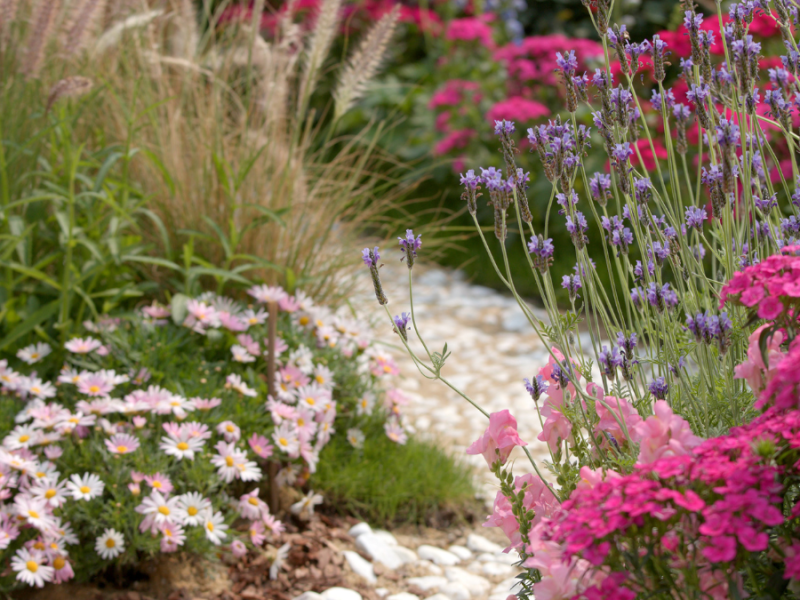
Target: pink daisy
x,y
159,482
122,443
260,445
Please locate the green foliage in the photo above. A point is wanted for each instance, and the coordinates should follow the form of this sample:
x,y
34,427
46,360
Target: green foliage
x,y
384,483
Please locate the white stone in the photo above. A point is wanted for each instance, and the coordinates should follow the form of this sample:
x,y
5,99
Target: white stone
x,y
340,593
437,555
506,586
359,529
361,567
475,567
478,543
437,597
455,590
500,596
476,584
511,558
431,568
383,592
403,596
427,583
386,537
461,552
378,550
405,554
308,596
494,569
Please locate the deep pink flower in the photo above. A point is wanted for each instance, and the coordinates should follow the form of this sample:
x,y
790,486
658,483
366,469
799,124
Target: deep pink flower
x,y
770,308
721,549
518,109
470,30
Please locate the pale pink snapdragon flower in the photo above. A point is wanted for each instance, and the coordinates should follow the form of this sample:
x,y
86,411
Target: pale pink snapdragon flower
x,y
664,434
499,439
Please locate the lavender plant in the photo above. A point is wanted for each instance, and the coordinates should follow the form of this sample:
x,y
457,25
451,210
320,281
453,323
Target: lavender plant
x,y
659,363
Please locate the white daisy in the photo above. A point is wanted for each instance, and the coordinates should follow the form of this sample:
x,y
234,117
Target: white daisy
x,y
214,526
355,437
83,346
181,446
36,387
240,354
34,353
159,509
50,490
30,568
285,438
22,436
235,382
307,504
85,487
34,511
192,507
110,545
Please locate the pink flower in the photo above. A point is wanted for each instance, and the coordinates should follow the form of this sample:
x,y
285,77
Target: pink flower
x,y
517,108
260,445
499,439
453,140
753,370
159,482
770,308
82,346
621,411
664,434
469,30
122,443
557,427
722,549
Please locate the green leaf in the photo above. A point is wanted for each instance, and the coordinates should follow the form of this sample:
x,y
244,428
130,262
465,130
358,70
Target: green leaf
x,y
33,273
275,215
156,162
216,272
161,262
38,317
291,280
178,306
107,165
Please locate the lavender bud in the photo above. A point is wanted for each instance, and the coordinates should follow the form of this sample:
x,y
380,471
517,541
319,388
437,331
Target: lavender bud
x,y
409,247
371,258
659,388
536,387
401,325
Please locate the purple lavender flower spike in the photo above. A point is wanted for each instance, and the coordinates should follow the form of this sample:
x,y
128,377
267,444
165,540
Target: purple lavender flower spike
x,y
371,259
401,324
568,63
409,246
695,217
610,360
504,127
659,388
542,251
536,387
571,283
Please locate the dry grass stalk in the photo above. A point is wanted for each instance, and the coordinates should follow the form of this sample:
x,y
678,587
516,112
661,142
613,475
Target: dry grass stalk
x,y
71,87
319,45
43,19
8,14
364,63
83,23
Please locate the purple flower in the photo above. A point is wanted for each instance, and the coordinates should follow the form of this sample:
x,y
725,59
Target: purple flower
x,y
542,251
779,77
642,188
638,270
660,252
661,297
691,21
571,283
656,99
626,343
727,133
566,203
765,205
600,186
370,257
470,180
610,360
567,63
401,324
602,80
409,246
695,217
577,229
698,93
659,388
536,387
614,38
622,152
636,297
504,127
681,112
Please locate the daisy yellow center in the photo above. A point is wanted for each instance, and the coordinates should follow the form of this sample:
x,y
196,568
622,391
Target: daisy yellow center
x,y
163,510
364,403
32,566
24,438
284,387
33,514
320,323
310,401
252,321
283,441
229,461
122,449
258,449
54,546
174,403
50,493
182,446
75,379
387,369
34,355
253,500
39,545
301,422
320,379
230,428
94,389
210,526
85,489
73,420
191,511
304,321
156,484
110,543
59,563
167,532
36,389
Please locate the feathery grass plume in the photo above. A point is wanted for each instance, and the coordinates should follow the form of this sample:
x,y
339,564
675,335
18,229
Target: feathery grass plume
x,y
43,18
364,64
8,14
70,87
184,35
113,35
321,39
82,24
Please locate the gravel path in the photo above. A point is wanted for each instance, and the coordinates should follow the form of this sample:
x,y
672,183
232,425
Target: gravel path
x,y
493,348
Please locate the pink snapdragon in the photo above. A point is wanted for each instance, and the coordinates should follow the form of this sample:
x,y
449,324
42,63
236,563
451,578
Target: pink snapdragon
x,y
499,439
663,434
753,370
